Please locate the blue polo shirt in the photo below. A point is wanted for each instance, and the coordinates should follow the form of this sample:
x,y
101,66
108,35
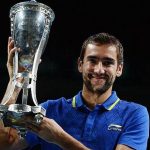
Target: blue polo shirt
x,y
113,122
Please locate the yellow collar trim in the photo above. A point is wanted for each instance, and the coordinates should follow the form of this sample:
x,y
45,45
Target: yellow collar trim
x,y
74,102
114,104
110,108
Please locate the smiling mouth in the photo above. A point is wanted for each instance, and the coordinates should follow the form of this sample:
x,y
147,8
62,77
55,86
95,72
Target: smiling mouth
x,y
98,80
100,77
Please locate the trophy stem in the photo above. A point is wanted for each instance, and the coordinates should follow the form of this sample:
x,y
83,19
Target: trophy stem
x,y
24,96
25,90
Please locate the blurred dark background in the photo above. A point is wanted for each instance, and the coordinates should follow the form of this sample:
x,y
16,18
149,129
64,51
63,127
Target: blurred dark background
x,y
75,20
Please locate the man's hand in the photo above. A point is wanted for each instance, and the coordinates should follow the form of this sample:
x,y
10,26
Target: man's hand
x,y
11,51
8,137
51,132
10,66
48,130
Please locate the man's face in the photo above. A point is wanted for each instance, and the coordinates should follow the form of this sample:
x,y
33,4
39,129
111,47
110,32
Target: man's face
x,y
99,67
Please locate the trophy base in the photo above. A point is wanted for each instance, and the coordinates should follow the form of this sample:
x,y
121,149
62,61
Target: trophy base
x,y
18,115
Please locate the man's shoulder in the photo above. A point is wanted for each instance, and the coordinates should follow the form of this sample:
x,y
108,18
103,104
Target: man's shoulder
x,y
135,124
132,104
130,107
56,108
56,102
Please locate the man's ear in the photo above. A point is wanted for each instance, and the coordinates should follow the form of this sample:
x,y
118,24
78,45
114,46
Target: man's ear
x,y
119,70
80,63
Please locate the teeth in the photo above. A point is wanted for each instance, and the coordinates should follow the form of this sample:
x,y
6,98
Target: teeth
x,y
98,77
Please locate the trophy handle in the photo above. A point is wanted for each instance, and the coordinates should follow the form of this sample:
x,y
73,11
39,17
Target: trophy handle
x,y
33,93
36,64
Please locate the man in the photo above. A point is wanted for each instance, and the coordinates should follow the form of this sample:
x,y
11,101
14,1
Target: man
x,y
95,118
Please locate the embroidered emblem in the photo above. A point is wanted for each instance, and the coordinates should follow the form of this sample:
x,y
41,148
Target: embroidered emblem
x,y
115,127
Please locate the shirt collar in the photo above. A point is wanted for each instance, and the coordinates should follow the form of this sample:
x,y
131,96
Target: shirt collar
x,y
109,104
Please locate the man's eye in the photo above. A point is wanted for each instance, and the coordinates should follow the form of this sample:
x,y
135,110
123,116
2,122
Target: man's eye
x,y
92,61
107,63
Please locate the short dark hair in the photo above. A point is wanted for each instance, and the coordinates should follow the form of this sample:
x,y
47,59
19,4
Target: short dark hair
x,y
103,39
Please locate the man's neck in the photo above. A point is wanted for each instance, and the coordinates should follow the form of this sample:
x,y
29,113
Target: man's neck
x,y
91,99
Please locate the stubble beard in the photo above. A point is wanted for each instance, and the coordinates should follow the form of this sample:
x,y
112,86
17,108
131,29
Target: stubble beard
x,y
109,80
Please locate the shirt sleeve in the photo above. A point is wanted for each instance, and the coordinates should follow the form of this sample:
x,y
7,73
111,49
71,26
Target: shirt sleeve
x,y
136,130
32,140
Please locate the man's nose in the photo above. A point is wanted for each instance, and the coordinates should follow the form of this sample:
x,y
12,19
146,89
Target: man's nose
x,y
99,68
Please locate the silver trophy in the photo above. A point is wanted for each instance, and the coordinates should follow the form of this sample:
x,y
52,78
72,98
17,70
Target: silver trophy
x,y
30,27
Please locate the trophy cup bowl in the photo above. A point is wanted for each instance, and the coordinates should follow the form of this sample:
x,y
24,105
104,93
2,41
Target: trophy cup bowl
x,y
30,27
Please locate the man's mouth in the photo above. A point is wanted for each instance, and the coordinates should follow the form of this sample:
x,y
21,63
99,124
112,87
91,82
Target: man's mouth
x,y
98,80
97,77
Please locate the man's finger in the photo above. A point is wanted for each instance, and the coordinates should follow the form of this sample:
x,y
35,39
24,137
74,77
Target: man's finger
x,y
11,55
10,44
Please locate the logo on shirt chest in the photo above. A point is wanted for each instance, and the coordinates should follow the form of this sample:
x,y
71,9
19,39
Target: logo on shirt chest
x,y
115,127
